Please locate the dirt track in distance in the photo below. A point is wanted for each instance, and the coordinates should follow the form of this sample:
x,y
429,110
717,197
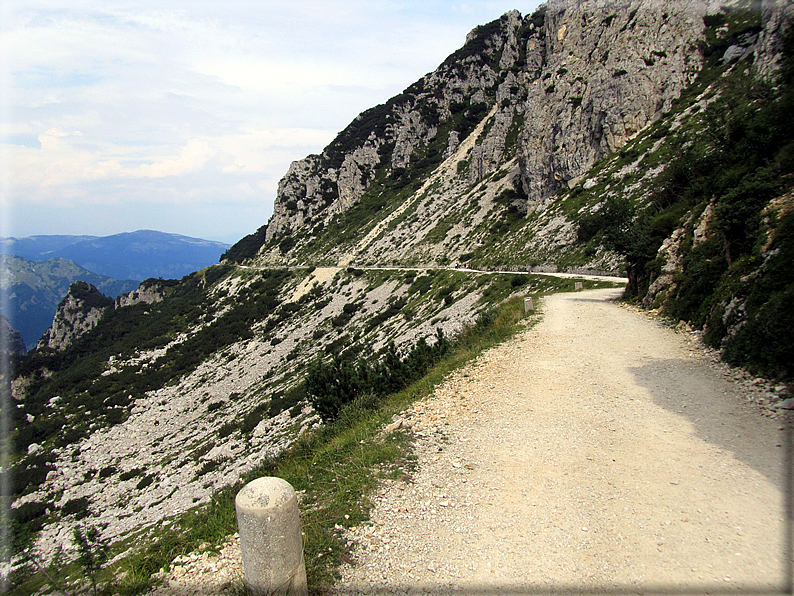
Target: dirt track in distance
x,y
595,452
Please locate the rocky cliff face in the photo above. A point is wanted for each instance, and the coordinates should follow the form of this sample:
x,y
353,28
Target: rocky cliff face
x,y
604,75
761,50
549,95
149,292
414,129
78,313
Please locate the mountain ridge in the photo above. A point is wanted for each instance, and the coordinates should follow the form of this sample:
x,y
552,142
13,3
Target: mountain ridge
x,y
517,76
579,109
34,290
138,255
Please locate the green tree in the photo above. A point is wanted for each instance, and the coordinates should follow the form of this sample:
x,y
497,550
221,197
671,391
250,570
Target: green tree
x,y
93,552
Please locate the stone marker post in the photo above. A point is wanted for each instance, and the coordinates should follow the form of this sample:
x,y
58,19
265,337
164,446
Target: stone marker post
x,y
528,305
270,538
577,285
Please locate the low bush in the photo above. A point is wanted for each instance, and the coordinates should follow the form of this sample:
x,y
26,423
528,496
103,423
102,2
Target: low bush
x,y
332,385
130,474
145,482
79,507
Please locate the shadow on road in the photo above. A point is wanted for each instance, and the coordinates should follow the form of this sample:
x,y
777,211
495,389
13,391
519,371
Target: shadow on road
x,y
720,415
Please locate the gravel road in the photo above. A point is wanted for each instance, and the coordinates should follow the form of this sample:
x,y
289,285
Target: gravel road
x,y
596,452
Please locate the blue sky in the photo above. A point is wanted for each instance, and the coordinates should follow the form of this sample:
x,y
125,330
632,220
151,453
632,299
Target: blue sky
x,y
182,116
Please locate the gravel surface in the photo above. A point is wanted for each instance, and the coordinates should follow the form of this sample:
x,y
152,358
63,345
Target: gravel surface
x,y
598,451
595,452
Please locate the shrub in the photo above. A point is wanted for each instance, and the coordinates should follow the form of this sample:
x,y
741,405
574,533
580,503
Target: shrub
x,y
209,466
145,481
108,471
519,280
227,429
421,285
331,386
130,474
252,419
78,507
93,552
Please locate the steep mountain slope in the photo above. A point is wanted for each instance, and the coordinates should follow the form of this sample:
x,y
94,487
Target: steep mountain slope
x,y
573,138
524,109
33,291
582,137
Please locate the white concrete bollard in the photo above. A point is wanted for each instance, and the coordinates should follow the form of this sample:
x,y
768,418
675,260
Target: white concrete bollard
x,y
270,538
529,306
577,285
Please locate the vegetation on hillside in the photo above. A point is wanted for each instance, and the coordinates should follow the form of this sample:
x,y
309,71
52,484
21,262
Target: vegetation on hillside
x,y
331,386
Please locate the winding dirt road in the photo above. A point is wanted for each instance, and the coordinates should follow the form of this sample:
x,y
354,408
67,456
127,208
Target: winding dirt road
x,y
596,452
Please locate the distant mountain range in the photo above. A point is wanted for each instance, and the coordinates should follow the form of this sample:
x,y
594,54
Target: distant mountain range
x,y
132,255
36,271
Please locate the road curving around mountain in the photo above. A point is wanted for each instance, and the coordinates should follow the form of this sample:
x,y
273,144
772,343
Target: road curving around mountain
x,y
595,452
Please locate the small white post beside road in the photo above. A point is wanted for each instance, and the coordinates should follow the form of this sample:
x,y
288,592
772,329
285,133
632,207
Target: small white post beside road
x,y
529,306
270,538
577,285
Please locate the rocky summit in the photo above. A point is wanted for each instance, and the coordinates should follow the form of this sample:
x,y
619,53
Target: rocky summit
x,y
645,139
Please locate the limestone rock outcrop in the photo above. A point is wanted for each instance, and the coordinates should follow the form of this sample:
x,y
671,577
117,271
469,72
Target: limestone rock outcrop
x,y
561,89
417,128
606,74
768,45
149,292
77,314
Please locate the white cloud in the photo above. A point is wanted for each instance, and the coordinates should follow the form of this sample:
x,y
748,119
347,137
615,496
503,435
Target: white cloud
x,y
57,162
60,160
191,158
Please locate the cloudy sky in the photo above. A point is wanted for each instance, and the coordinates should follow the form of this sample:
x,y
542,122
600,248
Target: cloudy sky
x,y
182,115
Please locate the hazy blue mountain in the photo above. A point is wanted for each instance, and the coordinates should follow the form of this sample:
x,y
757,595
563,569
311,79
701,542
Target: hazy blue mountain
x,y
34,291
38,248
131,255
